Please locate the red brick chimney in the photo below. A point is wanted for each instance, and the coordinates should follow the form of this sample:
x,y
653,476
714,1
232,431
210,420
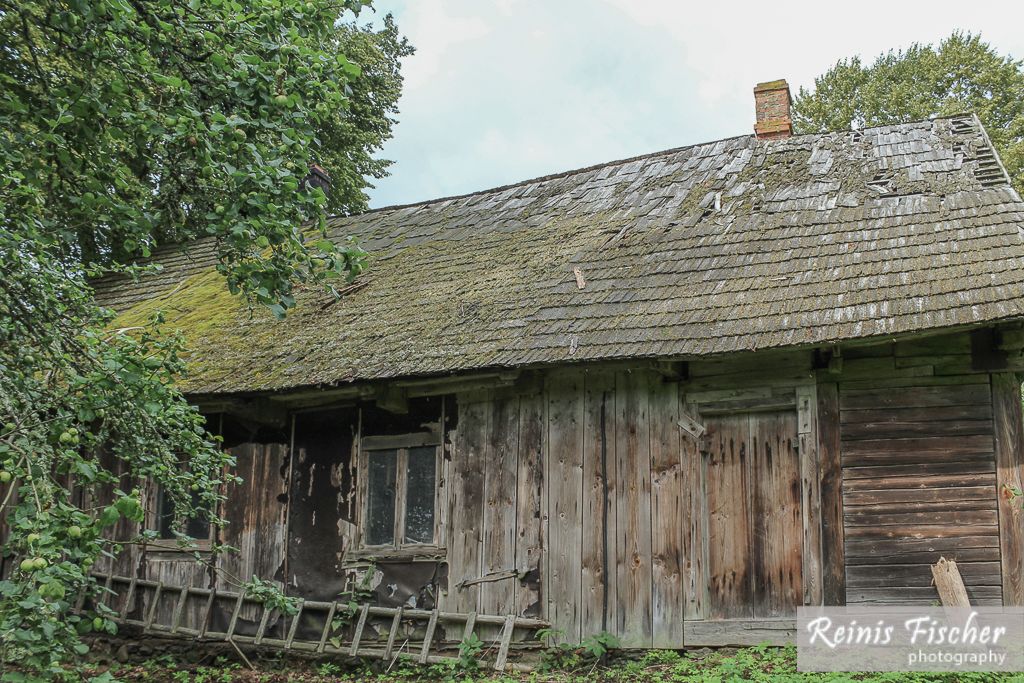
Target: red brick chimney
x,y
771,101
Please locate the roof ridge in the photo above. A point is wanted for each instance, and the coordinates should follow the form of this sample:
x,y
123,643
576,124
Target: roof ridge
x,y
626,160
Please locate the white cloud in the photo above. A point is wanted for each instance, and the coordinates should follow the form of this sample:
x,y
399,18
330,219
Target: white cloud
x,y
502,91
440,32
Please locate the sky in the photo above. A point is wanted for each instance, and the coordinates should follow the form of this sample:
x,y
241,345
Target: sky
x,y
506,90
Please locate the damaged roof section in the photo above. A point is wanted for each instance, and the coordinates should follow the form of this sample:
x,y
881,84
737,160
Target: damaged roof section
x,y
722,247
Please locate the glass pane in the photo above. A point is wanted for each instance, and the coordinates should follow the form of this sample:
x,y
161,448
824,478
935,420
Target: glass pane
x,y
380,497
421,491
198,527
164,514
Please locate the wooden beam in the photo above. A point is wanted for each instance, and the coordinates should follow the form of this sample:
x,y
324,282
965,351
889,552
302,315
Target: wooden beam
x,y
833,567
950,584
810,485
1009,447
739,632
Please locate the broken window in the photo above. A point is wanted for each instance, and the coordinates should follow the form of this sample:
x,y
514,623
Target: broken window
x,y
400,495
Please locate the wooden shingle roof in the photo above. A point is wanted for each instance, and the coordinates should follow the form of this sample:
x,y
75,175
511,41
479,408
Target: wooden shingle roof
x,y
722,247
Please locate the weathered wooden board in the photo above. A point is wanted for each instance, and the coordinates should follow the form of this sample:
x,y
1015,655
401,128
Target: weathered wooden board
x,y
916,397
920,595
949,584
890,554
937,415
879,549
777,523
499,524
938,476
694,523
911,531
874,518
918,495
598,583
810,494
1009,456
896,507
467,504
875,576
633,509
831,472
739,632
666,516
729,518
564,477
956,343
909,429
767,363
256,514
529,512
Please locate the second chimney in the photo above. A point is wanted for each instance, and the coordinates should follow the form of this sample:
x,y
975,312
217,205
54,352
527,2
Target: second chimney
x,y
771,102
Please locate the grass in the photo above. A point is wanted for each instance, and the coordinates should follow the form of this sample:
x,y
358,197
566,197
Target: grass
x,y
665,666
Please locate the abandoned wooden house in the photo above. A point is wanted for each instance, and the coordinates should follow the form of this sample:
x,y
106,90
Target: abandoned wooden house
x,y
671,398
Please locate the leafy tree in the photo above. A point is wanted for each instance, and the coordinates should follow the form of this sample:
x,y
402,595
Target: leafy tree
x,y
962,74
126,124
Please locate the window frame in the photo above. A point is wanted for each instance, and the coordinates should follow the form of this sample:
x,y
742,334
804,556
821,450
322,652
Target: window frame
x,y
154,520
401,444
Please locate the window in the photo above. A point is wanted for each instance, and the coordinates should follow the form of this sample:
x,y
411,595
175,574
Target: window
x,y
400,492
197,527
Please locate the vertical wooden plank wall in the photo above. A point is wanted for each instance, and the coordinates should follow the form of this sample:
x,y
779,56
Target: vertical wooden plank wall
x,y
566,484
616,497
496,533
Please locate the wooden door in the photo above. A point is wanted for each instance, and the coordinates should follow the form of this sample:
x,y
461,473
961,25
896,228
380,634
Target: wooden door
x,y
755,528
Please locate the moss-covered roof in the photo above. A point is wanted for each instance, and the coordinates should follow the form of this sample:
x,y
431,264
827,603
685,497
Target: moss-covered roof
x,y
733,245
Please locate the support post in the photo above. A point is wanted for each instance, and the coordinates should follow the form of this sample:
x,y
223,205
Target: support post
x,y
1009,446
833,555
